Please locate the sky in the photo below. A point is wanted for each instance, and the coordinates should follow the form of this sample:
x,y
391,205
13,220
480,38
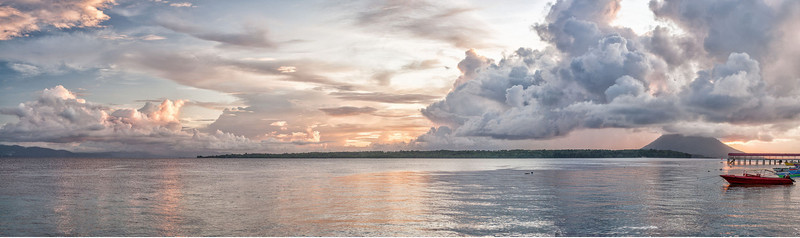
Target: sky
x,y
185,78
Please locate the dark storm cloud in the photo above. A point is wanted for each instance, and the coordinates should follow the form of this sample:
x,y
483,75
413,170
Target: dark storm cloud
x,y
724,27
602,76
735,92
575,26
602,65
675,50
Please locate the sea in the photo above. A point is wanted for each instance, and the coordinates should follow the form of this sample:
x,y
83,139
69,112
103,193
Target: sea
x,y
388,197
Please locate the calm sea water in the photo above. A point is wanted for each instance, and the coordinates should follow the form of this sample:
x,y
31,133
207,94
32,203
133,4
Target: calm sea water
x,y
388,197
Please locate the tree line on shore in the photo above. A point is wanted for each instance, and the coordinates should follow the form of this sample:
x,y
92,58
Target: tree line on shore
x,y
470,154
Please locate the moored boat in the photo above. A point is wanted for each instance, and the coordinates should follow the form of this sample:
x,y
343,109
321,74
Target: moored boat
x,y
755,179
793,171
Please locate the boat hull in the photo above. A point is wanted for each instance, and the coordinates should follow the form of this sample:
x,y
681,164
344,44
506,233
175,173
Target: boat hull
x,y
735,179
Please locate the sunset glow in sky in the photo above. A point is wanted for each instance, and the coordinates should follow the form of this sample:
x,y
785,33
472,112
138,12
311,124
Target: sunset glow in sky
x,y
184,78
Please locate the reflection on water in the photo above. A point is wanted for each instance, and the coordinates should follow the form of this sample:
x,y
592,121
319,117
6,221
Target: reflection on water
x,y
169,195
387,197
63,204
351,204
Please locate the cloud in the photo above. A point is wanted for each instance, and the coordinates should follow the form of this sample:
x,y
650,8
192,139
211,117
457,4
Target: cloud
x,y
675,50
59,116
575,26
429,20
599,67
597,76
347,111
152,37
716,29
267,92
181,4
283,118
25,69
442,138
60,52
410,98
207,71
252,36
271,116
470,66
422,65
384,77
724,27
18,17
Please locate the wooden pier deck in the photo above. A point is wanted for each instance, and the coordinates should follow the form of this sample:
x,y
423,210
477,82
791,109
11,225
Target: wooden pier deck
x,y
762,158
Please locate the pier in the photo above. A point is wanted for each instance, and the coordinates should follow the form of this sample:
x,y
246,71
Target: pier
x,y
762,158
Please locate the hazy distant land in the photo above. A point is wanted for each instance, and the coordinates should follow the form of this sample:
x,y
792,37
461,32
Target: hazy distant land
x,y
666,146
15,151
471,154
28,152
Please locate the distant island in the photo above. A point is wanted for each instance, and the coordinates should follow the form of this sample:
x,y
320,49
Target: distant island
x,y
696,145
7,151
15,151
472,154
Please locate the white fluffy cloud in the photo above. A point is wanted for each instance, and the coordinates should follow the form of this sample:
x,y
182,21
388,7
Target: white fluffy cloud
x,y
600,76
59,116
19,17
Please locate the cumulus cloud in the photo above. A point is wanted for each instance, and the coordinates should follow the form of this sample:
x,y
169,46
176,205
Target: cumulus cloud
x,y
59,116
443,138
762,29
471,66
575,26
595,75
724,27
19,17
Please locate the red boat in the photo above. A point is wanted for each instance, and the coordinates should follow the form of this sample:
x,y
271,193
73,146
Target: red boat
x,y
755,179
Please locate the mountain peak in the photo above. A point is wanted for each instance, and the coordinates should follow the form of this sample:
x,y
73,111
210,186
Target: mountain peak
x,y
696,145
